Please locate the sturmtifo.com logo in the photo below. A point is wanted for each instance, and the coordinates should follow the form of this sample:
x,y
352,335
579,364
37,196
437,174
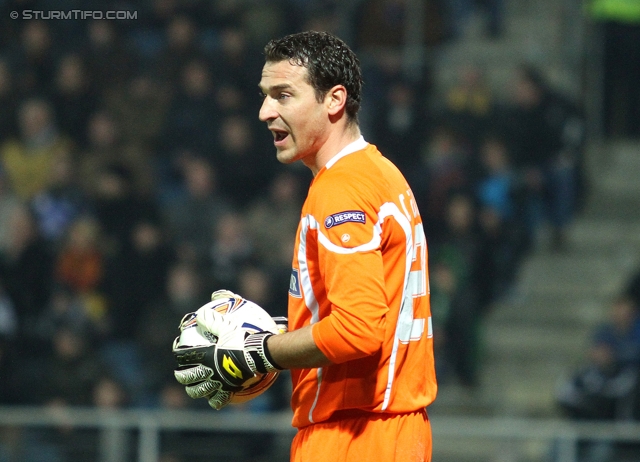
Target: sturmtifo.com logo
x,y
73,14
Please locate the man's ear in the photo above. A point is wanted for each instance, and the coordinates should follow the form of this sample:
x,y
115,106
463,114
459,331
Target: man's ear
x,y
336,99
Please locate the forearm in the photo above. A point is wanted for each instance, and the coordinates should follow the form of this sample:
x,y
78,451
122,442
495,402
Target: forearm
x,y
296,350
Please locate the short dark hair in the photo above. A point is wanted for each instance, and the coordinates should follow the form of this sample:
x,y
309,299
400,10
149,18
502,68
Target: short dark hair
x,y
329,62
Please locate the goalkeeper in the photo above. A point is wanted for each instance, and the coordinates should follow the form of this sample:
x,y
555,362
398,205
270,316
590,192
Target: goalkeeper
x,y
359,346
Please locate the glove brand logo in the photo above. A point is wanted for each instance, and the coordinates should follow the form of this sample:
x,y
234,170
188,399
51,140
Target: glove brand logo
x,y
231,368
209,336
190,357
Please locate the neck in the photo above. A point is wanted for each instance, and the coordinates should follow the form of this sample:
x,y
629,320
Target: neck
x,y
332,146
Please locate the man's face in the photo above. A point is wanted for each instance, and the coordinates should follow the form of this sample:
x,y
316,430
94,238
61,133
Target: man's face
x,y
297,120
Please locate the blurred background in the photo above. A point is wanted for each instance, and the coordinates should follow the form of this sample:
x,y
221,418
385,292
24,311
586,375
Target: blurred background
x,y
135,179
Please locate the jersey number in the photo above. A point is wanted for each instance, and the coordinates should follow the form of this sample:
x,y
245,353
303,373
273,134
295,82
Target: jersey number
x,y
410,329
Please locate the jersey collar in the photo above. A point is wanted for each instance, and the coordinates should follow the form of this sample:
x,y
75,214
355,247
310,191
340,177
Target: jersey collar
x,y
357,145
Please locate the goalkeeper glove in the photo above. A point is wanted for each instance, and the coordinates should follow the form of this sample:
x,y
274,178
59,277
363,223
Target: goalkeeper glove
x,y
242,334
218,370
234,354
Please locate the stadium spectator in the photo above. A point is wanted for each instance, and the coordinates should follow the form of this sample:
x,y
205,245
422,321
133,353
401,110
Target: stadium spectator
x,y
607,386
119,209
118,205
33,58
108,147
134,277
238,152
108,393
550,166
497,179
107,54
273,237
442,170
61,202
156,322
232,248
399,125
8,202
28,159
69,368
140,107
381,23
195,206
149,259
261,22
73,96
79,264
79,312
258,285
8,100
233,60
192,116
458,252
469,104
461,15
71,371
181,45
500,226
26,266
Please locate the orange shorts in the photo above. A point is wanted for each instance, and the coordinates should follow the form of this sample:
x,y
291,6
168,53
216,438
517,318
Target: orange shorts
x,y
355,436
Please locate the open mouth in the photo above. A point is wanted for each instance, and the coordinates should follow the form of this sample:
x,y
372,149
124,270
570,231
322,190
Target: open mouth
x,y
279,136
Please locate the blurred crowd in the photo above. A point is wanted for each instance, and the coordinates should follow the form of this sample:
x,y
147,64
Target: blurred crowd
x,y
606,386
135,179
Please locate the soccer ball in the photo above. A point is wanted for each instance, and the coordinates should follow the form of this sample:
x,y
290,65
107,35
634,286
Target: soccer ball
x,y
254,319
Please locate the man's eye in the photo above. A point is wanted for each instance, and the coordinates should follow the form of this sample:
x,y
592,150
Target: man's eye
x,y
283,96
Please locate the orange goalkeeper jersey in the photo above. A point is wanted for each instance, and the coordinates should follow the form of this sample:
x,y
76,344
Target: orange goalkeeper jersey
x,y
360,278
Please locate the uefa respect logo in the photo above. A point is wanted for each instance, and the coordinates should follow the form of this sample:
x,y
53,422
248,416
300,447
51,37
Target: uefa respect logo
x,y
74,14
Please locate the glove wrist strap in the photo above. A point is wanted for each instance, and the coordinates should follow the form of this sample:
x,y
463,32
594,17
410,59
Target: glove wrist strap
x,y
255,345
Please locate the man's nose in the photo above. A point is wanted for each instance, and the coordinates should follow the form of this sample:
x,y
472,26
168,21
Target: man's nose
x,y
267,111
